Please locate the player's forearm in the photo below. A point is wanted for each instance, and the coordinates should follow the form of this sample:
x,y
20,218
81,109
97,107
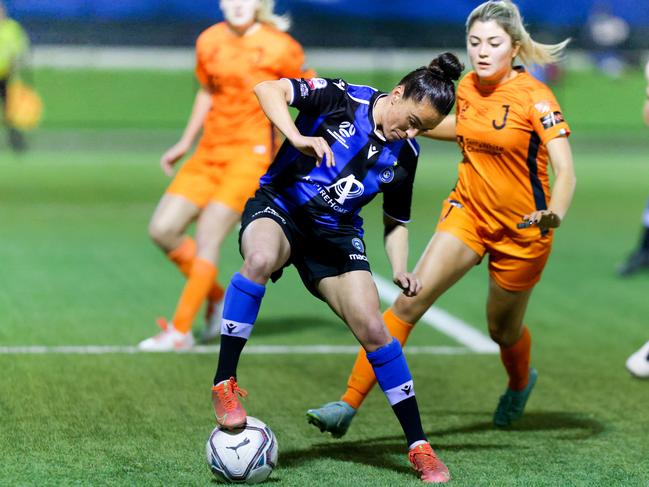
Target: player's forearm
x,y
565,179
563,190
444,131
273,98
202,106
646,108
562,193
396,247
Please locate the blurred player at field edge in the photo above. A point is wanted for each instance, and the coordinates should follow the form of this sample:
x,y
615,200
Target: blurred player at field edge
x,y
639,259
13,46
509,126
235,149
638,363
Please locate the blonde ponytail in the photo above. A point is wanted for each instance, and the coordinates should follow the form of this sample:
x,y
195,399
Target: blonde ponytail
x,y
508,17
266,15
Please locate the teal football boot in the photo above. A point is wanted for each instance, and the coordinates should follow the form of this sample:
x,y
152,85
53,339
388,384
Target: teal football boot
x,y
512,403
334,417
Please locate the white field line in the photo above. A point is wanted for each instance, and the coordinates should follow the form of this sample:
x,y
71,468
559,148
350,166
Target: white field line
x,y
214,349
442,321
183,58
463,333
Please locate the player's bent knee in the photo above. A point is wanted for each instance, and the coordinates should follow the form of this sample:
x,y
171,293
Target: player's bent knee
x,y
504,336
374,336
162,234
259,264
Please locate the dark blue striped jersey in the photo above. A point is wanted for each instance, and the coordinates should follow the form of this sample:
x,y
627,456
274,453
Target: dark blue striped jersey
x,y
366,164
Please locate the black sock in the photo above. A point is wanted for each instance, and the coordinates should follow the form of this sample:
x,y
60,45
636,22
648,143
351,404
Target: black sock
x,y
407,413
644,246
231,348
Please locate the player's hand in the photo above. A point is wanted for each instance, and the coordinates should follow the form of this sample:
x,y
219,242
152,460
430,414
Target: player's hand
x,y
315,147
172,156
544,219
408,282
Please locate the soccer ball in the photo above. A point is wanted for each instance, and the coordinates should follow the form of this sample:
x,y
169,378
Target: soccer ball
x,y
246,454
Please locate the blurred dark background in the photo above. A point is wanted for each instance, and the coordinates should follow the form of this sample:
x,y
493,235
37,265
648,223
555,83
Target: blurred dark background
x,y
319,23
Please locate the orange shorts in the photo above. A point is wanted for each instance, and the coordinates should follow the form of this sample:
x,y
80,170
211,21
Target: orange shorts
x,y
224,175
515,264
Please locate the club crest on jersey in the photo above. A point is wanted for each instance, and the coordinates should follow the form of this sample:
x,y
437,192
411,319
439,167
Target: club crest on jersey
x,y
551,119
358,244
346,188
387,175
340,84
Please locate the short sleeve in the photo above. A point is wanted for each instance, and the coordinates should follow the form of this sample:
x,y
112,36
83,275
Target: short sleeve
x,y
397,200
546,116
291,62
317,95
200,71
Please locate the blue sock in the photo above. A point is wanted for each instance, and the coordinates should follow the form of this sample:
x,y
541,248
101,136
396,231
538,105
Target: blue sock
x,y
393,375
240,309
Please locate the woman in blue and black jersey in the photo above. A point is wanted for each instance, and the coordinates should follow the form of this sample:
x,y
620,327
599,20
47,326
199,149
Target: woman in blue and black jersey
x,y
348,144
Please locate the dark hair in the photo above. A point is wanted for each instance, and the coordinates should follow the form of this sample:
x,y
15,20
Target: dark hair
x,y
434,82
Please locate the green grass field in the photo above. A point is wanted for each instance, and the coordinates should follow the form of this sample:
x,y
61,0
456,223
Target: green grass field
x,y
77,268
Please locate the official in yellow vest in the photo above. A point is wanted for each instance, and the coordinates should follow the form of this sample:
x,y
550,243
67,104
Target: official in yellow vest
x,y
14,44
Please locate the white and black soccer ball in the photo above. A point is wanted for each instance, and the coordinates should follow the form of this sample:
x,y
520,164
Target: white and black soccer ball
x,y
246,454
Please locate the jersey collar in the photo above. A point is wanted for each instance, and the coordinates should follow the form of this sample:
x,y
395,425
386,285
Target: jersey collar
x,y
375,131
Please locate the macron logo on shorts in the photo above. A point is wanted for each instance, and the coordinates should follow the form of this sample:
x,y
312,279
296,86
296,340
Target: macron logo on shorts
x,y
235,328
401,392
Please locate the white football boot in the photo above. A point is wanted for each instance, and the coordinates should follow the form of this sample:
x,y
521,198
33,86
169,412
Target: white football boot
x,y
213,317
638,363
168,340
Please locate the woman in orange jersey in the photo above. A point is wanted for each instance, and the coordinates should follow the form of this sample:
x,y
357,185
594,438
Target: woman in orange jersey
x,y
508,126
235,149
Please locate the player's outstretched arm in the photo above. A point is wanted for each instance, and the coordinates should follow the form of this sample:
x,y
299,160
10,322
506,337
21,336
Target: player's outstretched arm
x,y
202,105
563,189
274,97
396,247
444,131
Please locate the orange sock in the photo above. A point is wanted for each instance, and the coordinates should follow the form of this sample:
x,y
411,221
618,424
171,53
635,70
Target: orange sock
x,y
362,378
183,256
216,291
516,360
200,280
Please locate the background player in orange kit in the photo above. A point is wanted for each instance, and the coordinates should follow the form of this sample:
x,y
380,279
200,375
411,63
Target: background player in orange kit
x,y
508,126
639,259
235,149
638,362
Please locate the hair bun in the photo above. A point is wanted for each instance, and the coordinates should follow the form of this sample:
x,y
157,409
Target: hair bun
x,y
447,65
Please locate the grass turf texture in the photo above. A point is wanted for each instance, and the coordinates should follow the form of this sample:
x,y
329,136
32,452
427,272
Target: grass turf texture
x,y
77,268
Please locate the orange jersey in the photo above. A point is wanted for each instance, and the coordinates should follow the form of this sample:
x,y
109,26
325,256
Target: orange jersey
x,y
502,132
229,66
